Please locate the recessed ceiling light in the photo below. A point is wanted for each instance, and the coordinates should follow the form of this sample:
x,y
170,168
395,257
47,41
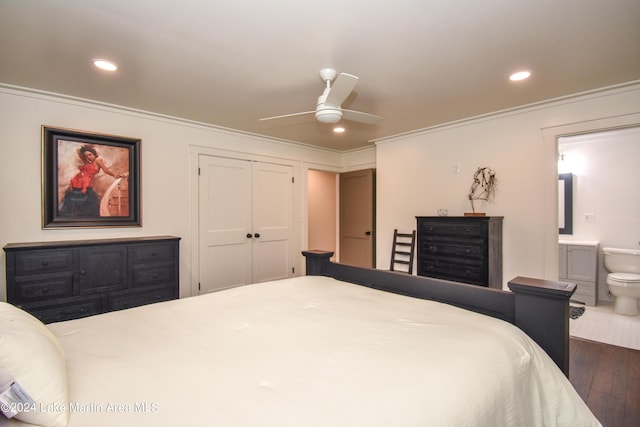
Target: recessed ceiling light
x,y
338,129
520,75
105,65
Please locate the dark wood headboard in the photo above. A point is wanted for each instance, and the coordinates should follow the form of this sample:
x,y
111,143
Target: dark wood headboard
x,y
539,307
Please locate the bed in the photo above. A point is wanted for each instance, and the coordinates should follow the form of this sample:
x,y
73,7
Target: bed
x,y
316,350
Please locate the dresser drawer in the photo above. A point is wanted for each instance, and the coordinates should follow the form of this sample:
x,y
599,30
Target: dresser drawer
x,y
451,229
477,251
67,309
54,285
43,262
121,301
457,272
151,253
152,276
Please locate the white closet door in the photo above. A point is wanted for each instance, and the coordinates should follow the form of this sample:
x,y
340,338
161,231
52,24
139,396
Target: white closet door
x,y
225,221
245,215
272,221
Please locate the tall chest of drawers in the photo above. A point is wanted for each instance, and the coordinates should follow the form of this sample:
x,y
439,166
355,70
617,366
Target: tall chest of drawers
x,y
58,281
463,249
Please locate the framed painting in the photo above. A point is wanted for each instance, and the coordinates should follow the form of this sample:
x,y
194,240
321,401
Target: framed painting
x,y
89,179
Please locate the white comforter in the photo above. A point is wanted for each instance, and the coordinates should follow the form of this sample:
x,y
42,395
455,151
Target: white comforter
x,y
310,351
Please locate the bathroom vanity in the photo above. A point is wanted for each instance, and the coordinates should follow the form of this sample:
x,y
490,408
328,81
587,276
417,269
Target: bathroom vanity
x,y
578,263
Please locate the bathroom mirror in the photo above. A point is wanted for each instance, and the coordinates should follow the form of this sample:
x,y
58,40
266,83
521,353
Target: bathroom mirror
x,y
565,203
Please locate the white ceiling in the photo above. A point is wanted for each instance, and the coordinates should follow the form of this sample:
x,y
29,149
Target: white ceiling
x,y
230,62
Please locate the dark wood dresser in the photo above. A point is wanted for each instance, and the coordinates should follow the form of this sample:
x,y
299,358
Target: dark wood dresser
x,y
58,281
465,249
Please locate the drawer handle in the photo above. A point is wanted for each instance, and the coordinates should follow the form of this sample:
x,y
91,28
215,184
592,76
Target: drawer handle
x,y
83,272
154,253
45,291
45,263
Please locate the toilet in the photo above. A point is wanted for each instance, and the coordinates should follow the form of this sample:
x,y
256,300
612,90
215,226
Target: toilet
x,y
623,279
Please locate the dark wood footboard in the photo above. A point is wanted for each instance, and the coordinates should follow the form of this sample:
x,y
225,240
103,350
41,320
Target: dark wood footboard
x,y
539,307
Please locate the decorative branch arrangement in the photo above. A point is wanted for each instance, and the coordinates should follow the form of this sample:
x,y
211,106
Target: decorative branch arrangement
x,y
483,186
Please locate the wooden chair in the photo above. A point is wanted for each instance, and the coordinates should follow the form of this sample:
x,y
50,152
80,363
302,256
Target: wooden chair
x,y
402,251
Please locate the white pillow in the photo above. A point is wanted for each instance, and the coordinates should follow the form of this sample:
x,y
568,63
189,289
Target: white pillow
x,y
32,356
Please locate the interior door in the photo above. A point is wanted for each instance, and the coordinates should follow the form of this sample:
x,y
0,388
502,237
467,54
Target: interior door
x,y
272,221
246,222
225,221
357,218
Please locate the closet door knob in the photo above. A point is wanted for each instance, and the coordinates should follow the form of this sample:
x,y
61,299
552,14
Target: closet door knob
x,y
256,235
249,235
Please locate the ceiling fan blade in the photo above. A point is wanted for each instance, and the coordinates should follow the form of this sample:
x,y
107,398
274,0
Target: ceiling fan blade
x,y
287,115
341,88
358,116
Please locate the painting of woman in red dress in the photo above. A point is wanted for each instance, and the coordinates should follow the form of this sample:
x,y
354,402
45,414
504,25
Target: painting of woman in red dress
x,y
82,195
89,179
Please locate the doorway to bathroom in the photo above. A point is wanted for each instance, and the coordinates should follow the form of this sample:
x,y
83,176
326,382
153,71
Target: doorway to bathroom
x,y
606,179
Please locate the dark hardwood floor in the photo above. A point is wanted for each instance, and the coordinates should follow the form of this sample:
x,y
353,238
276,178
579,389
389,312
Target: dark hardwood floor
x,y
607,378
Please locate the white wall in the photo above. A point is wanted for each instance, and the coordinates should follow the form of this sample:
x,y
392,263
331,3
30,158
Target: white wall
x,y
168,170
606,180
415,174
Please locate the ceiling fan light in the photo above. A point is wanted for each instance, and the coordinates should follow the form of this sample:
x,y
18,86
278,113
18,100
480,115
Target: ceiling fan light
x,y
329,116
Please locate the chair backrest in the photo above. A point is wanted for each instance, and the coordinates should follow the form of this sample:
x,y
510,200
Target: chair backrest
x,y
402,251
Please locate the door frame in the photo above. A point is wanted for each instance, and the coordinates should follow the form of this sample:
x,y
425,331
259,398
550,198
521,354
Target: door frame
x,y
336,214
195,152
357,164
550,136
306,167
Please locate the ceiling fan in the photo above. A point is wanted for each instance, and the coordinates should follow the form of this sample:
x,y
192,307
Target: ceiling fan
x,y
328,108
